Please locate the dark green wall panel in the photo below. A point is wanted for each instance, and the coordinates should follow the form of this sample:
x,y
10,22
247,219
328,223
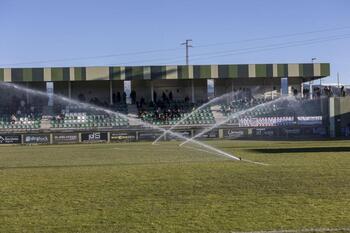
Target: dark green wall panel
x,y
269,70
282,70
182,72
1,75
158,72
232,71
79,73
223,71
115,73
66,74
134,72
228,71
60,74
201,71
260,70
243,71
17,75
27,75
137,72
56,74
306,70
37,74
325,69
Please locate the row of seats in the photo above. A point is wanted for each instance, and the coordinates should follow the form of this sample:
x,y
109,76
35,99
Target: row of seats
x,y
266,121
203,116
88,125
21,123
83,120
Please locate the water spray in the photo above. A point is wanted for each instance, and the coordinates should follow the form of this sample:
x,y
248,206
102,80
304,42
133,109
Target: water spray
x,y
108,111
238,114
215,100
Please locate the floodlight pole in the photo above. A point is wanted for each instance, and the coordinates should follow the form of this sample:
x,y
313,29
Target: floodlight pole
x,y
188,45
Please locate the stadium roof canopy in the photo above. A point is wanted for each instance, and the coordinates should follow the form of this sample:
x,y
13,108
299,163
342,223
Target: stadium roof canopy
x,y
307,71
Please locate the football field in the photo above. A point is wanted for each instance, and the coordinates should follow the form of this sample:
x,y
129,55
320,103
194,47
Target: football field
x,y
138,187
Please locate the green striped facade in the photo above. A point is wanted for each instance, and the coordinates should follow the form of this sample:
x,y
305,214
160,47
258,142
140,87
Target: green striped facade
x,y
308,70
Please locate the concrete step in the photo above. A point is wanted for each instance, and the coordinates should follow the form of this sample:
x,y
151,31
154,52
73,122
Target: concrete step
x,y
45,124
133,114
216,110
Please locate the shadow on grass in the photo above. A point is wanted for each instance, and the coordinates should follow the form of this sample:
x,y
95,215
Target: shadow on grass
x,y
301,150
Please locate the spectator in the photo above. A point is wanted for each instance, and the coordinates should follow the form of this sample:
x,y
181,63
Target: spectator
x,y
81,97
133,96
154,96
114,98
342,92
118,97
295,92
170,96
124,97
13,119
164,96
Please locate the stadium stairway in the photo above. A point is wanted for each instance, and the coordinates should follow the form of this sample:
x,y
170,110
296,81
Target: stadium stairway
x,y
133,114
45,123
217,113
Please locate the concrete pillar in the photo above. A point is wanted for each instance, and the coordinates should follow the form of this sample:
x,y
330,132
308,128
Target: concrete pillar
x,y
311,89
332,117
152,90
221,133
192,91
111,92
27,93
69,90
302,89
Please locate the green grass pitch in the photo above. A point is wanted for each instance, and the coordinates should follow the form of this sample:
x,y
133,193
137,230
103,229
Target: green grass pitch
x,y
138,187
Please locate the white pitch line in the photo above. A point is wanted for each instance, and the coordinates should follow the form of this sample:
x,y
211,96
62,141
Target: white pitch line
x,y
311,230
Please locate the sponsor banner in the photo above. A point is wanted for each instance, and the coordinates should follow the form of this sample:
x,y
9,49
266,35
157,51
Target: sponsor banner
x,y
211,134
149,135
94,137
123,136
10,139
320,131
296,131
184,133
234,133
65,138
309,120
37,138
263,132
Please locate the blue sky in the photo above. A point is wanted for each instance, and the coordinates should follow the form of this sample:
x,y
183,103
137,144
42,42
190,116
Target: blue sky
x,y
50,33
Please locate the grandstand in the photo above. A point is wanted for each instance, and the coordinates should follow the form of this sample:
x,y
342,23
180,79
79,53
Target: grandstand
x,y
162,96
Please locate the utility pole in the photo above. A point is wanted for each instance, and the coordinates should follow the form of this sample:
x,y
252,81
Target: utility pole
x,y
188,45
